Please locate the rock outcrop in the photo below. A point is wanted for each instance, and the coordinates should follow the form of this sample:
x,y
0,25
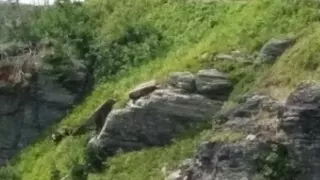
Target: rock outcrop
x,y
217,89
92,124
183,80
281,140
301,122
158,116
32,99
222,160
275,48
260,154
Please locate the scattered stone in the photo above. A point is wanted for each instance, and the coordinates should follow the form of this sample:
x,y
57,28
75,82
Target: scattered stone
x,y
251,137
176,175
236,56
274,49
207,56
255,113
143,90
57,136
224,57
183,80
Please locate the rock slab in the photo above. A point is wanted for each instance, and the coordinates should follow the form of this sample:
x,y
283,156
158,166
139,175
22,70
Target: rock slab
x,y
274,49
155,118
301,122
213,84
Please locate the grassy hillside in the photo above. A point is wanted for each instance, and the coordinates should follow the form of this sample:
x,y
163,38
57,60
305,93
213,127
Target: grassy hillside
x,y
187,30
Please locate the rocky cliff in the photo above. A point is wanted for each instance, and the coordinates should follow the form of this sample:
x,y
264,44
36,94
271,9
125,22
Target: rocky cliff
x,y
32,98
279,143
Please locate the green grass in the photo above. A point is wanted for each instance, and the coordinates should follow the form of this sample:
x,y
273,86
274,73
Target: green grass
x,y
300,63
159,158
190,29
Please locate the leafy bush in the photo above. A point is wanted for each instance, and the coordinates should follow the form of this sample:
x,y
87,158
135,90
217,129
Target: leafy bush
x,y
276,163
55,173
135,45
16,22
9,173
78,172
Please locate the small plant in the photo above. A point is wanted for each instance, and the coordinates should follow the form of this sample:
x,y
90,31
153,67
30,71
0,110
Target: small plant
x,y
78,172
55,173
9,173
276,163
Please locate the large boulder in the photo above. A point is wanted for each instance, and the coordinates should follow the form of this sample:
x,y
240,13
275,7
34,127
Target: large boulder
x,y
214,84
281,140
155,118
183,80
301,122
275,48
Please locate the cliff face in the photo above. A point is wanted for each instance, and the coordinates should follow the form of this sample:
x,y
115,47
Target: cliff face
x,y
32,99
279,141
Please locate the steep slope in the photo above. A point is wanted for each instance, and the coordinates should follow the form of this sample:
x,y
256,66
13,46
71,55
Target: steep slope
x,y
191,29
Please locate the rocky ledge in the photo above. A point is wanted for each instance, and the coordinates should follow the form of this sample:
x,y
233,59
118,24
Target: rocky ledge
x,y
33,98
158,112
280,141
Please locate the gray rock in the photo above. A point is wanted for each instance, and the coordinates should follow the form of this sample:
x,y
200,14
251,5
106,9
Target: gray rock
x,y
188,106
153,120
235,56
224,57
183,80
213,84
143,89
221,160
97,119
27,111
301,122
176,175
255,114
250,105
51,91
275,48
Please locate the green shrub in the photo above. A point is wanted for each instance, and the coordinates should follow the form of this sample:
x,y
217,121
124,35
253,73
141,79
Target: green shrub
x,y
16,22
9,173
276,163
55,173
135,45
78,172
